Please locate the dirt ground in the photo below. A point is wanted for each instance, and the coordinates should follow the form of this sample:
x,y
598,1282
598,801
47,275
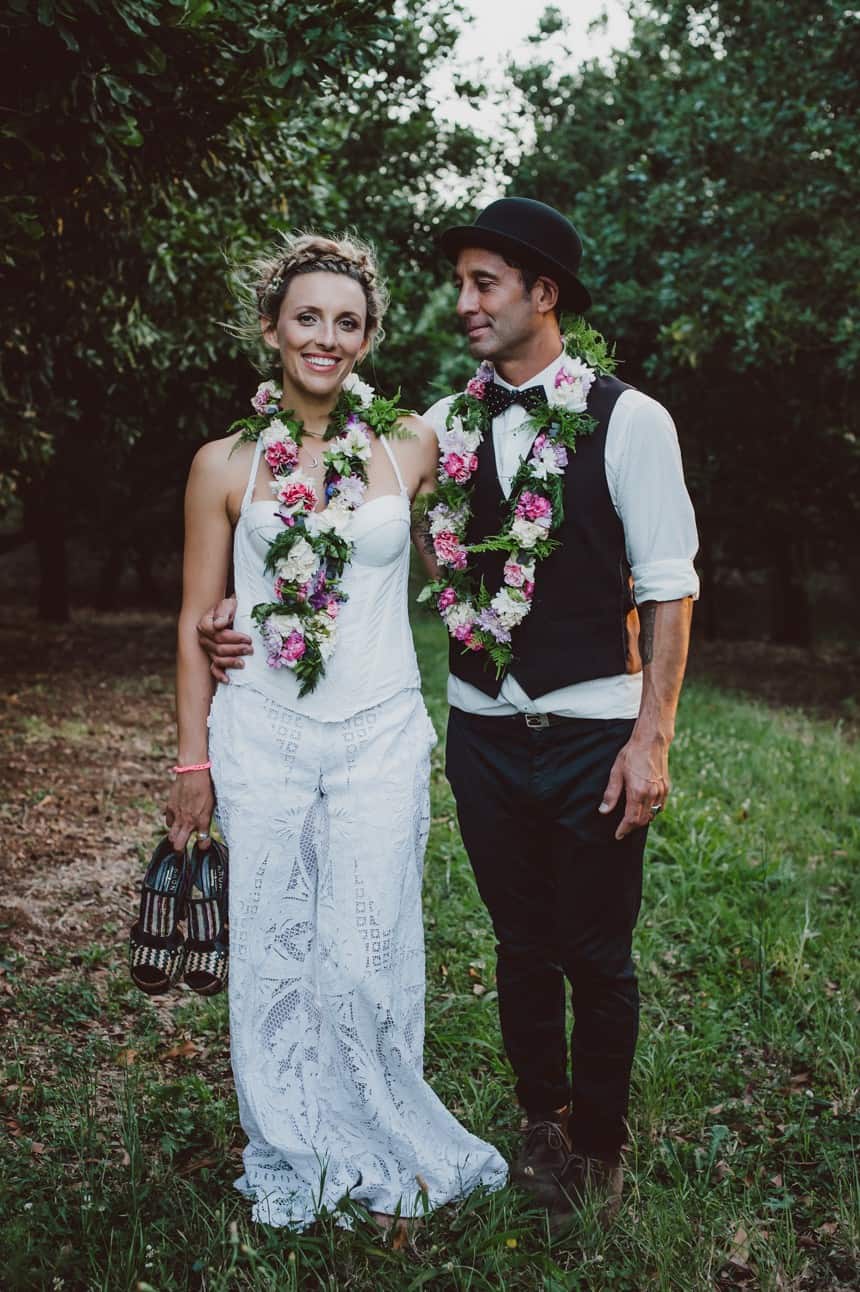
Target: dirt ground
x,y
86,741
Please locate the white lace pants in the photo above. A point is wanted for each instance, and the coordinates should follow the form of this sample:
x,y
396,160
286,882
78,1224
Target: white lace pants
x,y
326,825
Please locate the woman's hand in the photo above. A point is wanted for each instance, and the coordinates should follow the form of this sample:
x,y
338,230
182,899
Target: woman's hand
x,y
189,808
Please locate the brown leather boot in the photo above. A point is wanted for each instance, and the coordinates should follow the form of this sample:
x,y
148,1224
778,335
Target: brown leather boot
x,y
541,1159
585,1180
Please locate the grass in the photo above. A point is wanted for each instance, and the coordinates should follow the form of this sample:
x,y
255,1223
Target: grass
x,y
122,1134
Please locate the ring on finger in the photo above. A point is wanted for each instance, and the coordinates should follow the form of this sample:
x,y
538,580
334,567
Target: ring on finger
x,y
655,808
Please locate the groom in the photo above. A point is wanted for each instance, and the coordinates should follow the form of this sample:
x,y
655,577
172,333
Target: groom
x,y
558,766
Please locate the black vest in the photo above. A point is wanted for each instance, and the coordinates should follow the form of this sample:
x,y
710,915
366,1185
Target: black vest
x,y
577,628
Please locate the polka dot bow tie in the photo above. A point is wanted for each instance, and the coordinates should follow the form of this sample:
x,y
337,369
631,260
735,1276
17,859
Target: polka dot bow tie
x,y
499,398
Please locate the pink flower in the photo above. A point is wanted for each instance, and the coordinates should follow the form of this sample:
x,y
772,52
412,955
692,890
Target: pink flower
x,y
332,608
298,496
474,643
528,589
446,598
513,574
459,466
540,441
449,550
463,632
294,647
534,507
265,398
281,454
476,388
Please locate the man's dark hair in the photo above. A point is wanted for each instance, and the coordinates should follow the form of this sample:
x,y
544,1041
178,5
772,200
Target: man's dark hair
x,y
529,276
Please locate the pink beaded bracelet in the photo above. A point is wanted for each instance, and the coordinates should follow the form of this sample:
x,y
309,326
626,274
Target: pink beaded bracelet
x,y
193,767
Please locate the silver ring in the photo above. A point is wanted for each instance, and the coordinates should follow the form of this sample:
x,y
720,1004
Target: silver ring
x,y
655,808
201,834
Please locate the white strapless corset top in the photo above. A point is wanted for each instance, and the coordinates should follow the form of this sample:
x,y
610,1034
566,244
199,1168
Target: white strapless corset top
x,y
380,529
374,655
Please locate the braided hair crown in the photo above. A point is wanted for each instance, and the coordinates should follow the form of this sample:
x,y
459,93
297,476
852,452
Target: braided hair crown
x,y
311,253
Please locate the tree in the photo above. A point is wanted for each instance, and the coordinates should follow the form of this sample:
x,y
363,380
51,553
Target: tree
x,y
145,138
713,166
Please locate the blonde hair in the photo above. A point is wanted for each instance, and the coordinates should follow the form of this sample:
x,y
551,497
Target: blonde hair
x,y
264,283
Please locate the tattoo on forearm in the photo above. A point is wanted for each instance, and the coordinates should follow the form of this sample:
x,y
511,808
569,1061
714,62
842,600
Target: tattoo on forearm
x,y
421,530
647,621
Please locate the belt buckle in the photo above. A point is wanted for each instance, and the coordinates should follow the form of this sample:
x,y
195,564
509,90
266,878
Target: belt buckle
x,y
537,721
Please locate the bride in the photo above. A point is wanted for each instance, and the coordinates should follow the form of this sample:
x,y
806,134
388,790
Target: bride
x,y
319,751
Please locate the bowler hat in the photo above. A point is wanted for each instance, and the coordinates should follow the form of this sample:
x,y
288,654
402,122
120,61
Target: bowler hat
x,y
532,233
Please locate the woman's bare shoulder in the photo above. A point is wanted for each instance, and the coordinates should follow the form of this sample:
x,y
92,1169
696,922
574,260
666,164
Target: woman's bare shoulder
x,y
220,467
417,429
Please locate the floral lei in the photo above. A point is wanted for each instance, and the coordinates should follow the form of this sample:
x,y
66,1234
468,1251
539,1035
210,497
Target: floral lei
x,y
479,620
308,557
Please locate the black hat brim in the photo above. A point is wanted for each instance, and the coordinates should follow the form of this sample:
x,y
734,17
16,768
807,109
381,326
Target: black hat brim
x,y
573,295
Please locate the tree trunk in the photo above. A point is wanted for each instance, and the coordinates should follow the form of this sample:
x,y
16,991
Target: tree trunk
x,y
708,604
50,535
150,596
791,614
109,578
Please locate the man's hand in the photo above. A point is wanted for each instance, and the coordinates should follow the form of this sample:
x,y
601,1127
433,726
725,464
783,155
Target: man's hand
x,y
641,774
224,647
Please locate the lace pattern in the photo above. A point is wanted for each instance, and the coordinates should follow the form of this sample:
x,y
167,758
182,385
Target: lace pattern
x,y
327,824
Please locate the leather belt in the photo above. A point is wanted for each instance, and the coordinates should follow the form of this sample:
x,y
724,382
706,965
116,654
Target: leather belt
x,y
537,721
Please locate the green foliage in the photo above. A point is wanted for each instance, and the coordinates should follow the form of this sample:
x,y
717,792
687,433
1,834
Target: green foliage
x,y
149,143
744,1106
712,168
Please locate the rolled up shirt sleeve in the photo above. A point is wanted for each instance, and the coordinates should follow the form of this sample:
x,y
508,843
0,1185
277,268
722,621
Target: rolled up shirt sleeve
x,y
437,413
646,483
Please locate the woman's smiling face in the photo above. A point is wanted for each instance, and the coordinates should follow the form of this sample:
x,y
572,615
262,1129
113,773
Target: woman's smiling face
x,y
321,331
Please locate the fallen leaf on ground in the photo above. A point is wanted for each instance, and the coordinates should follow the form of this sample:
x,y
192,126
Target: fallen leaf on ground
x,y
740,1250
196,1164
185,1050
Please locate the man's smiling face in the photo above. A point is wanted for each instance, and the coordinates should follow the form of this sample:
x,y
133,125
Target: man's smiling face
x,y
497,313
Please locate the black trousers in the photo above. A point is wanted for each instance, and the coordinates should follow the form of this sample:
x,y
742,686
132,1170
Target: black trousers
x,y
563,896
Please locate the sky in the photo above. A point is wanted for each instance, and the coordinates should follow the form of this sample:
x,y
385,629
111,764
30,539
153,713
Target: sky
x,y
499,32
500,27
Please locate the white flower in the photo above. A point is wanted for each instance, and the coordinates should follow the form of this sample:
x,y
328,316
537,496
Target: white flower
x,y
352,490
510,606
460,615
355,386
355,443
442,518
274,433
546,463
337,517
285,624
459,441
300,564
266,396
325,633
526,532
573,381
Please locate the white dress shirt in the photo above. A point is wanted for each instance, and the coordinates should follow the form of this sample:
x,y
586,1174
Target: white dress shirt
x,y
642,461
